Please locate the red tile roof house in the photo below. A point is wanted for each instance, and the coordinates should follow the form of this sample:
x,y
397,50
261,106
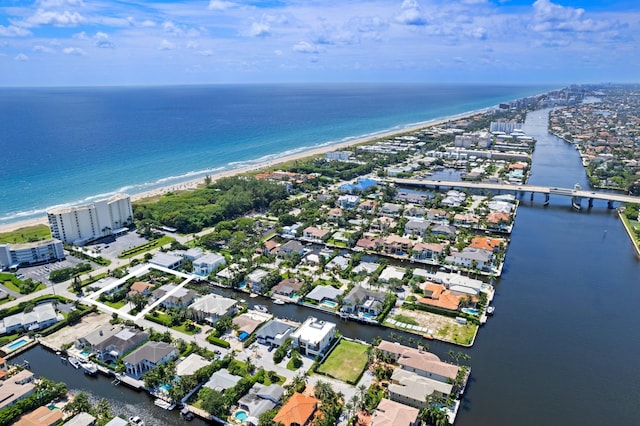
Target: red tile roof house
x,y
297,411
316,234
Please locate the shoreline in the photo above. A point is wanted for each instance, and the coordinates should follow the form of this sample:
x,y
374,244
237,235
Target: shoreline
x,y
194,183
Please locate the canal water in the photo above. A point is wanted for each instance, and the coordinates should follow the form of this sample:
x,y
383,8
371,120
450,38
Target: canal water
x,y
562,346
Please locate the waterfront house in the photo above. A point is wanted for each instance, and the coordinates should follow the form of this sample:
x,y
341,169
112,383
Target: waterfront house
x,y
189,365
419,361
290,231
288,287
498,220
415,211
291,247
367,243
391,209
40,317
274,333
317,235
147,357
41,416
81,419
397,246
254,279
391,413
16,387
392,273
338,263
173,296
313,337
368,206
444,230
110,342
382,224
261,398
486,243
438,215
437,295
362,300
299,410
166,260
429,252
248,322
322,293
208,263
212,307
472,258
348,202
222,380
414,390
140,287
465,220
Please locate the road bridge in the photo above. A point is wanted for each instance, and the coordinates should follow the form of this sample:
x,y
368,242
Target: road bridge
x,y
576,194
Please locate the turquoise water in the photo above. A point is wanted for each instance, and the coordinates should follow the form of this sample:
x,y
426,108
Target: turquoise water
x,y
85,353
241,415
73,145
329,304
17,344
165,388
470,311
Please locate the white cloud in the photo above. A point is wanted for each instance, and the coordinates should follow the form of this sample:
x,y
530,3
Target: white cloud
x,y
42,49
221,5
411,14
76,51
102,40
192,44
278,52
147,23
59,3
206,52
166,45
13,31
306,47
259,29
549,16
80,36
58,19
21,57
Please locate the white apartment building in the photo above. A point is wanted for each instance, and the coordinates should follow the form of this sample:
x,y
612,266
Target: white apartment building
x,y
15,255
313,337
81,224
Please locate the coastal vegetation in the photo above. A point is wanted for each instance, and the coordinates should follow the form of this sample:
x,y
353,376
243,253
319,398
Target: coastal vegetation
x,y
224,199
26,234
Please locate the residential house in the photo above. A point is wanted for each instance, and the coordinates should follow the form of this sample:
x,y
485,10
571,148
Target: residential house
x,y
173,296
366,267
334,214
454,198
81,419
110,342
382,224
498,220
444,230
316,234
415,211
439,296
41,416
348,202
365,301
391,209
392,273
212,307
254,279
429,252
290,231
222,380
274,333
246,323
362,185
322,293
338,263
16,387
397,246
411,197
291,247
299,410
391,413
466,220
486,243
367,243
368,206
413,390
313,337
40,317
288,287
472,258
166,260
189,365
140,287
419,361
416,227
147,357
208,263
437,215
260,399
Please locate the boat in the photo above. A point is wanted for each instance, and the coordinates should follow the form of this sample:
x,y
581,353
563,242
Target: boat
x,y
278,302
252,295
164,404
186,414
75,362
261,308
90,368
490,310
135,420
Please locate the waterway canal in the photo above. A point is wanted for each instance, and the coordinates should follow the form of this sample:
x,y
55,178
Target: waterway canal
x,y
562,346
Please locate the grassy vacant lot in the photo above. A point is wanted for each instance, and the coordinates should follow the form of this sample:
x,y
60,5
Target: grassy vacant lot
x,y
26,234
346,362
134,251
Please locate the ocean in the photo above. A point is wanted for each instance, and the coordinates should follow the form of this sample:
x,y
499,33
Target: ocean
x,y
67,146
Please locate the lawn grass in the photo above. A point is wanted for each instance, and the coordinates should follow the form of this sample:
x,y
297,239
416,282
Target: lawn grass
x,y
183,329
143,248
115,305
346,362
26,234
405,319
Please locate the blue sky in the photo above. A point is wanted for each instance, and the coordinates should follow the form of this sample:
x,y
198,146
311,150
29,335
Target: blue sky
x,y
100,42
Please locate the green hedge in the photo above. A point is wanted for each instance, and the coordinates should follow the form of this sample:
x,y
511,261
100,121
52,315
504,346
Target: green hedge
x,y
218,342
157,320
20,306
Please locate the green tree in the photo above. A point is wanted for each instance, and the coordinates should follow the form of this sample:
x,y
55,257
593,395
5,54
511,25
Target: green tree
x,y
79,404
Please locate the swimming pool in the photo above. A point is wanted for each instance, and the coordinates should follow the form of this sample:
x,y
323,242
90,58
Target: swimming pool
x,y
85,353
241,415
329,304
15,345
470,311
165,388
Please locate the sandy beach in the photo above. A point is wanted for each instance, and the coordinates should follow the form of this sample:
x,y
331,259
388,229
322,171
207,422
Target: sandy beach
x,y
191,184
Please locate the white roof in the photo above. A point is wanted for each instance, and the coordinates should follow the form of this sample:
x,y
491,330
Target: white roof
x,y
313,330
392,272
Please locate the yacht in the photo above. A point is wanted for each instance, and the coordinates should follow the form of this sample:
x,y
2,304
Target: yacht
x,y
136,421
278,302
261,308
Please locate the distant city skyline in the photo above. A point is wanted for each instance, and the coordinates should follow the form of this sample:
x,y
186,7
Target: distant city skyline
x,y
88,43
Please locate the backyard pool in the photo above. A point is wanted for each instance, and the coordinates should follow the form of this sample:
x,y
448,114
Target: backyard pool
x,y
470,311
18,343
329,304
241,415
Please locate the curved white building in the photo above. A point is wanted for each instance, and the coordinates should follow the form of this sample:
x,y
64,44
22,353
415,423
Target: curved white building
x,y
81,224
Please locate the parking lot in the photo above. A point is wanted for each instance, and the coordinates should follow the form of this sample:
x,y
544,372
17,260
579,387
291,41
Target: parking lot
x,y
41,272
111,248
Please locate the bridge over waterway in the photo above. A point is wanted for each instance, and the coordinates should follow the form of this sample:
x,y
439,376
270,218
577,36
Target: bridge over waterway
x,y
576,194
